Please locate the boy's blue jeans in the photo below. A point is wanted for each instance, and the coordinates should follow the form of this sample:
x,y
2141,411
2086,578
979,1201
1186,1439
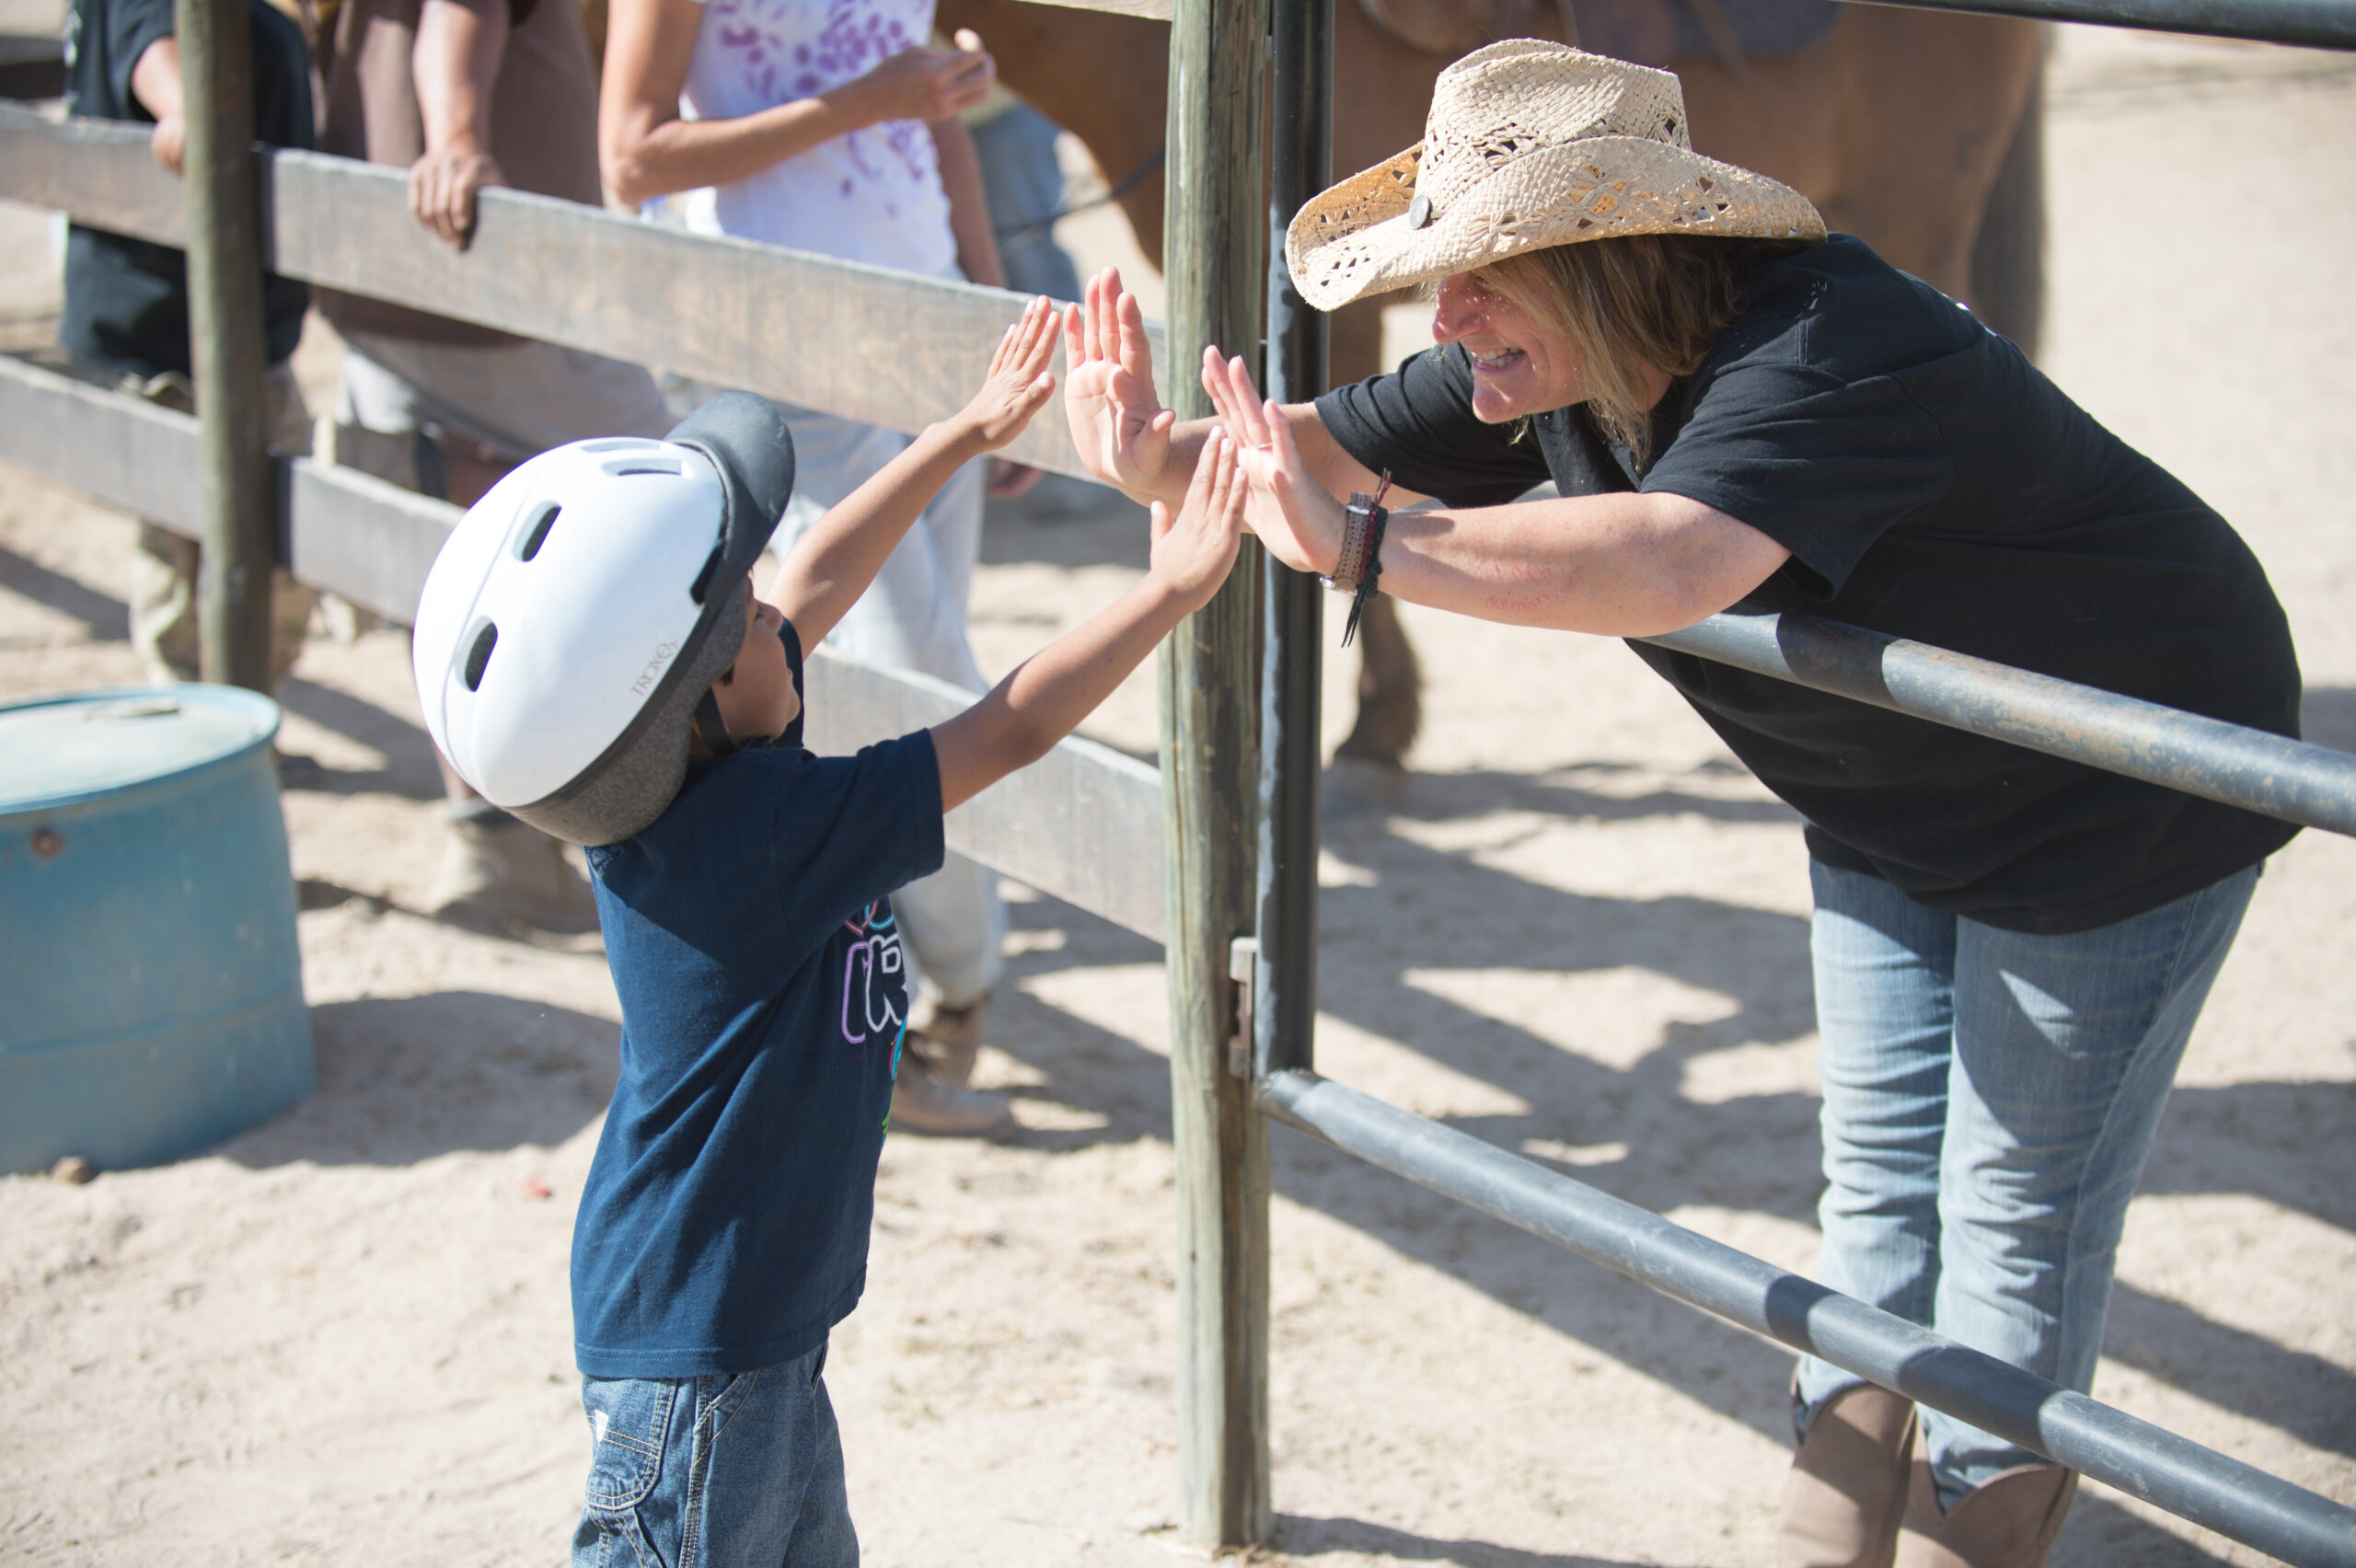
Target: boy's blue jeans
x,y
1989,1100
715,1472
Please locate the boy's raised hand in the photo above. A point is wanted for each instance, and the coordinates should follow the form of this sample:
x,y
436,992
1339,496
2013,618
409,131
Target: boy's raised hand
x,y
1017,385
1193,551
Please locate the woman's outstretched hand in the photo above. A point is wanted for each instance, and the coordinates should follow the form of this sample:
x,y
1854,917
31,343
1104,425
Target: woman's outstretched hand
x,y
1194,552
1294,515
1019,384
1117,420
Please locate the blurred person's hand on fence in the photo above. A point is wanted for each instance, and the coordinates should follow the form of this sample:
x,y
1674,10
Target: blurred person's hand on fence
x,y
442,187
155,83
459,47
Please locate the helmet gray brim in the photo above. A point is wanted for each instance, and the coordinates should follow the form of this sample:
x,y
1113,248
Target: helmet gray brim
x,y
623,791
622,794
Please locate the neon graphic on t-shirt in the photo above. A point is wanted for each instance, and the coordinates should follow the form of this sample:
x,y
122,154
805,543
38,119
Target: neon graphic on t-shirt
x,y
872,991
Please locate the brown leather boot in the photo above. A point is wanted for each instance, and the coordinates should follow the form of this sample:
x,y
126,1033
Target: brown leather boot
x,y
2009,1522
949,1038
1847,1490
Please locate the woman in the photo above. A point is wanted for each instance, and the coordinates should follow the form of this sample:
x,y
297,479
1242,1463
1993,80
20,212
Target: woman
x,y
831,126
2010,950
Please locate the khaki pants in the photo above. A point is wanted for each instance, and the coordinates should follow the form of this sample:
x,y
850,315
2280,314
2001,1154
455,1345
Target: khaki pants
x,y
164,566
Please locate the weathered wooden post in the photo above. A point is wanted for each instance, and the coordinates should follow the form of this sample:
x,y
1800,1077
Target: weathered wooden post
x,y
225,269
1209,734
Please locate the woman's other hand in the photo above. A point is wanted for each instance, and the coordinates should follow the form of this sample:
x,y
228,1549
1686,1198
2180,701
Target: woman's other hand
x,y
1194,552
1117,420
1295,516
1017,385
921,83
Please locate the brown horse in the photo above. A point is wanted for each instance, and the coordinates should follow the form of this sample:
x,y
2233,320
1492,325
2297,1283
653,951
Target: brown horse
x,y
1901,125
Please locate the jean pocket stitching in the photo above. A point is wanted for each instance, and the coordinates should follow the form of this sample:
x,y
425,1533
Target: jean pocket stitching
x,y
644,1476
732,1399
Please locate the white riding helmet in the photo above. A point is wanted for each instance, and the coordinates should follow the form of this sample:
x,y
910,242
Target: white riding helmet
x,y
580,611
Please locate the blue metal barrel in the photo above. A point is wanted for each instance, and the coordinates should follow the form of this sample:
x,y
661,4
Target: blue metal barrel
x,y
151,991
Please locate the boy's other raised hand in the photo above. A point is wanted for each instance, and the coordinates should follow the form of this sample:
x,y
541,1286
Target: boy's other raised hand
x,y
1017,385
1193,551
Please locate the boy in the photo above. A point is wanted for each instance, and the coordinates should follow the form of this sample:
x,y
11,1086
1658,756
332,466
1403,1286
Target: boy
x,y
125,322
585,649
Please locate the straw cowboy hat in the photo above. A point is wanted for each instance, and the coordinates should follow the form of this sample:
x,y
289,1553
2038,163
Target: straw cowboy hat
x,y
1531,145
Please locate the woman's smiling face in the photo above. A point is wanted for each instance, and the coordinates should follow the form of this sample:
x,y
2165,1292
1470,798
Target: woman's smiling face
x,y
1520,366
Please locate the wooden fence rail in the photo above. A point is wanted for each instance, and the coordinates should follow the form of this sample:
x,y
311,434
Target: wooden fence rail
x,y
1083,824
868,344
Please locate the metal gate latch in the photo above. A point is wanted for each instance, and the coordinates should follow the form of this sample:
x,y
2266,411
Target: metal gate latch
x,y
1242,954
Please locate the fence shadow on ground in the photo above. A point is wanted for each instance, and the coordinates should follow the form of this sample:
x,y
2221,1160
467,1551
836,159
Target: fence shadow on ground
x,y
107,618
1302,1536
402,1079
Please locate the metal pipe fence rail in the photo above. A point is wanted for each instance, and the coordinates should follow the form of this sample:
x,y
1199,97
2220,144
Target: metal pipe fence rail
x,y
2142,1460
1088,824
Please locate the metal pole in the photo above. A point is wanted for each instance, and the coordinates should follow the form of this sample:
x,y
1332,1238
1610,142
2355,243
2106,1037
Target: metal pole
x,y
1209,732
1284,979
225,269
2139,1459
2316,24
2228,763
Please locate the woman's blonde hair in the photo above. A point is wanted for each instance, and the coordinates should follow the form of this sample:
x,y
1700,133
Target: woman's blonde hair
x,y
1629,301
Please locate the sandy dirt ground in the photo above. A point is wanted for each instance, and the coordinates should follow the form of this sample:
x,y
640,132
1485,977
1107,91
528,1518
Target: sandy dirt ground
x,y
1578,930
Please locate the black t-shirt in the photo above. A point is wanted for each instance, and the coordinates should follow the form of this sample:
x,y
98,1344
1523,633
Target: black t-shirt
x,y
1932,484
126,300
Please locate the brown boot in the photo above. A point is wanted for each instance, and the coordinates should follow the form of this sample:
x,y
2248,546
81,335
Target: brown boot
x,y
949,1039
2009,1522
1847,1489
922,1103
498,873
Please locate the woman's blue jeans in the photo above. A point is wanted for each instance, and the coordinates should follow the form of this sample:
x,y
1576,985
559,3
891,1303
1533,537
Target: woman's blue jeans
x,y
1989,1100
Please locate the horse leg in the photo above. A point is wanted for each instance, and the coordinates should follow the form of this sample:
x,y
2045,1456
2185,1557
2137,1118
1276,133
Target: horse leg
x,y
1391,697
2008,259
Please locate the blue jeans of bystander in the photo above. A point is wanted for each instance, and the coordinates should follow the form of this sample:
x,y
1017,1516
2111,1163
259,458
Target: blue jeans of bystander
x,y
715,1472
1989,1100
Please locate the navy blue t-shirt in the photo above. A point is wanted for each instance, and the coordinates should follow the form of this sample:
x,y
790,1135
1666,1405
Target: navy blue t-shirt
x,y
724,1225
1932,484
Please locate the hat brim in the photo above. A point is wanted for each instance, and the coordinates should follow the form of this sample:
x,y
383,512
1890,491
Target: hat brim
x,y
1355,239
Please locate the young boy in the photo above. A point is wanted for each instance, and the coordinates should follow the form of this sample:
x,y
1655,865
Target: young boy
x,y
591,657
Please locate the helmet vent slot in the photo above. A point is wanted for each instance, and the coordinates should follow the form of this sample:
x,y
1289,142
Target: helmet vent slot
x,y
623,467
479,655
620,444
703,578
537,534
